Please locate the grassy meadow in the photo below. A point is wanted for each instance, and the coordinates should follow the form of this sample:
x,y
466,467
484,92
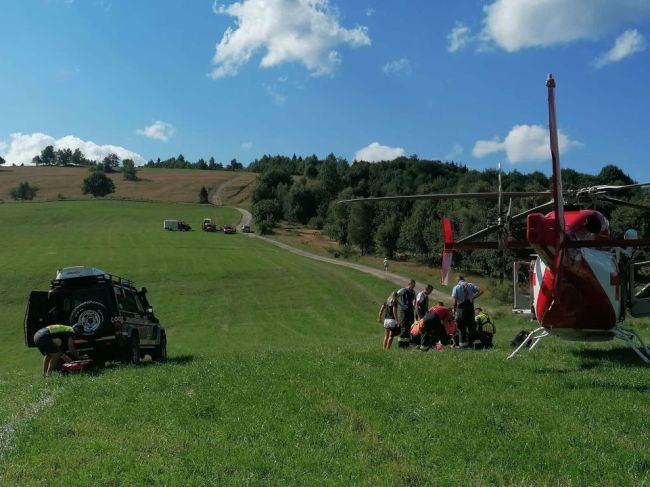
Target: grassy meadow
x,y
171,185
276,375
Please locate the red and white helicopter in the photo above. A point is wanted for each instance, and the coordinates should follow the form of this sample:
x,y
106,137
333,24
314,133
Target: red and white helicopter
x,y
583,281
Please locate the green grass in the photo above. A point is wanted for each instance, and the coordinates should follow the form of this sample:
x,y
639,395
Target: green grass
x,y
276,376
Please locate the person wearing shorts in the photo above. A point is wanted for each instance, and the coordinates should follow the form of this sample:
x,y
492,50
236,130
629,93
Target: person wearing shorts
x,y
388,313
52,341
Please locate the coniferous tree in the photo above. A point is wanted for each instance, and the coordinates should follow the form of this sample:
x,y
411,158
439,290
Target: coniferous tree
x,y
203,195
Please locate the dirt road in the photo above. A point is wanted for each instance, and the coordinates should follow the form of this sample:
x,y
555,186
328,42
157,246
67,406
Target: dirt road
x,y
396,279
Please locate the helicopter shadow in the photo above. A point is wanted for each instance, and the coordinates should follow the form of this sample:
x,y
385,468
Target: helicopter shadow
x,y
621,357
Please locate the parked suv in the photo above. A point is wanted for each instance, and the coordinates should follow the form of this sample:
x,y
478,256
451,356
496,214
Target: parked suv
x,y
118,321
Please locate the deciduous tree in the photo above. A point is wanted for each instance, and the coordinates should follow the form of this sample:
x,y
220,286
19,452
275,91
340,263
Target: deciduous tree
x,y
129,171
98,184
24,191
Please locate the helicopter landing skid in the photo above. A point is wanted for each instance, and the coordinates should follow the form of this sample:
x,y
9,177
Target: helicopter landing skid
x,y
628,335
534,336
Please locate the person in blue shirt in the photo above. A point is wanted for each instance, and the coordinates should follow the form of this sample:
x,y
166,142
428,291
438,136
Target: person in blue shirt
x,y
464,294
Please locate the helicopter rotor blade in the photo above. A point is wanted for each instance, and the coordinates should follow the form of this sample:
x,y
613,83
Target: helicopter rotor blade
x,y
605,189
493,228
616,201
453,196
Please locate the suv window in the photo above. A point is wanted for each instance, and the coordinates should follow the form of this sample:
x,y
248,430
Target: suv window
x,y
128,301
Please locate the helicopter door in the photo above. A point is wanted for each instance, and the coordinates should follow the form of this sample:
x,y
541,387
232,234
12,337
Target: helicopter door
x,y
521,285
639,289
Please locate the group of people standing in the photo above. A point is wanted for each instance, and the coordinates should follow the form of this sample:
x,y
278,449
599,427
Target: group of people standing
x,y
408,316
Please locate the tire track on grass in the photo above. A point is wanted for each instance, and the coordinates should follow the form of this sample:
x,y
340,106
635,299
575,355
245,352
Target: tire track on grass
x,y
218,196
11,427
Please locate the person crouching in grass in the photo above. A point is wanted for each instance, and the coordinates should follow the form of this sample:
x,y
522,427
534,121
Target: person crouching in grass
x,y
52,341
388,313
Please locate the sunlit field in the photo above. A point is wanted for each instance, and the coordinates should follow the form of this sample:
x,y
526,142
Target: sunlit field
x,y
276,375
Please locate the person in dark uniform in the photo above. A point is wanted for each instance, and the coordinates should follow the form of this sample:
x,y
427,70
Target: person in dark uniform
x,y
52,341
433,327
406,306
464,294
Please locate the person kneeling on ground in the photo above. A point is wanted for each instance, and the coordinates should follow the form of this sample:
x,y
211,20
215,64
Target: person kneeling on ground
x,y
52,341
433,326
388,313
485,327
416,332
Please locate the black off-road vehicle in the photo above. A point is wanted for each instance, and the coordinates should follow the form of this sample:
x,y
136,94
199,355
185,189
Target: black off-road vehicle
x,y
118,321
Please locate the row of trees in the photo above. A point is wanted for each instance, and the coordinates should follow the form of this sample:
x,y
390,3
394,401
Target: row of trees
x,y
179,162
62,157
309,195
66,157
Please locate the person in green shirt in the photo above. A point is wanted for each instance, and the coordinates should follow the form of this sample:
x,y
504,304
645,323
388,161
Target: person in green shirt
x,y
486,328
52,341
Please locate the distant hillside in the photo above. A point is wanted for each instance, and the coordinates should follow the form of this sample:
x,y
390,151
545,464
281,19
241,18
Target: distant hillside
x,y
173,185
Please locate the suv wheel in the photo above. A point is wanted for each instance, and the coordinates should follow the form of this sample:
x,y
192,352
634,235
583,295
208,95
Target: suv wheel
x,y
160,352
131,350
93,316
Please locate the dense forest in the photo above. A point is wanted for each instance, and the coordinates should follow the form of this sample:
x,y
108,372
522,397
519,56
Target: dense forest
x,y
306,190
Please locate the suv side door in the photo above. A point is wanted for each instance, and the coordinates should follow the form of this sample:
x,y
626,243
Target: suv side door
x,y
134,315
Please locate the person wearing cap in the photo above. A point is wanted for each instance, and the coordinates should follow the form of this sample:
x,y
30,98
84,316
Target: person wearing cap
x,y
52,341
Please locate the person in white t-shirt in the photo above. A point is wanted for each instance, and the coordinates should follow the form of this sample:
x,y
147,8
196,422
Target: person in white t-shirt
x,y
422,302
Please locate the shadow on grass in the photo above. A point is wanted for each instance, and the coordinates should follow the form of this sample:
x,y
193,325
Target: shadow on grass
x,y
624,357
610,386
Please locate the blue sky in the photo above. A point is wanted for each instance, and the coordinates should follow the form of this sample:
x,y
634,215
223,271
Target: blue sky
x,y
459,81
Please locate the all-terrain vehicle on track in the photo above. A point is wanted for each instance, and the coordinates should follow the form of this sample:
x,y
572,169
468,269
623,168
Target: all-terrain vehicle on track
x,y
208,225
118,321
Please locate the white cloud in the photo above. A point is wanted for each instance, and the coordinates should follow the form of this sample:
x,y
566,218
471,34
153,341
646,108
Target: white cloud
x,y
456,151
306,31
376,152
247,145
524,143
158,130
370,12
22,148
278,98
105,5
628,43
516,24
459,37
399,66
